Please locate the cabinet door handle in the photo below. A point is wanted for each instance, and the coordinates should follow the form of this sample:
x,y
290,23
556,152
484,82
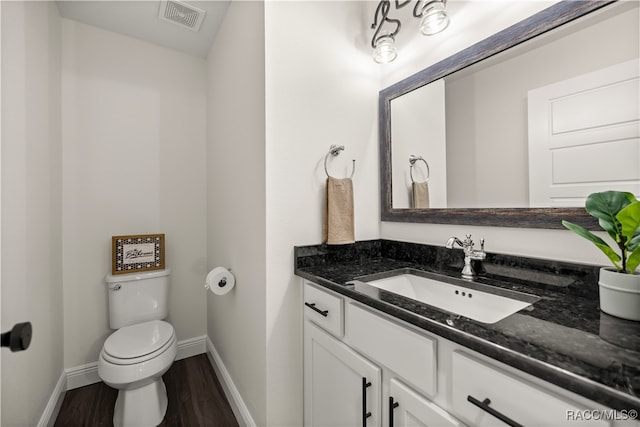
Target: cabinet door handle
x,y
365,414
484,405
392,405
313,307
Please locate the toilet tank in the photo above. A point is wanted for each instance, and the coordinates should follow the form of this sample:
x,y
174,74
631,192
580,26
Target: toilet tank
x,y
137,297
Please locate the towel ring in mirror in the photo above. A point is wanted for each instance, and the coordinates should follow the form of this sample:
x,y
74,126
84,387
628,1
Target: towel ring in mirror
x,y
412,160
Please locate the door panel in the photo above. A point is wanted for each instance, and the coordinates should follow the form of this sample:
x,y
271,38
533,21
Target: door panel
x,y
584,136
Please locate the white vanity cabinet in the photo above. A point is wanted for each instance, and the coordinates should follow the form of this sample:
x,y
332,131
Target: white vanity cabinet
x,y
368,378
362,367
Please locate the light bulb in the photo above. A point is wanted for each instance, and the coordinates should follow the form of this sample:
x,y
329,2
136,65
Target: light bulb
x,y
385,50
434,19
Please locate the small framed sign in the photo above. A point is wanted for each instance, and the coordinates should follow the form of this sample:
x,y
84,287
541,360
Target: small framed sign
x,y
131,254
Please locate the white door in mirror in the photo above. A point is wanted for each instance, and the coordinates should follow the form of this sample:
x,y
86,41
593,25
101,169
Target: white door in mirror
x,y
584,136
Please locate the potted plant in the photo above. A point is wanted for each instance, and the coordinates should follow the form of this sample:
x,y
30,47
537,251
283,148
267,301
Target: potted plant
x,y
618,214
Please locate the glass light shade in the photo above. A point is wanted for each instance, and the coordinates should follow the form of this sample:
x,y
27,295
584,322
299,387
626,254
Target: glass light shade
x,y
385,50
434,19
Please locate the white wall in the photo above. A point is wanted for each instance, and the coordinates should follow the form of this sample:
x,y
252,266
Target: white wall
x,y
321,89
31,206
134,148
236,235
286,80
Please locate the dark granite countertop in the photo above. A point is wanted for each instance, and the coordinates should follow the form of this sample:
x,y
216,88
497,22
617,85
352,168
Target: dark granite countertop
x,y
565,339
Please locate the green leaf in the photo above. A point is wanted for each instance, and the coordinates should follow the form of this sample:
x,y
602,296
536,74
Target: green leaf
x,y
629,219
605,206
633,261
601,244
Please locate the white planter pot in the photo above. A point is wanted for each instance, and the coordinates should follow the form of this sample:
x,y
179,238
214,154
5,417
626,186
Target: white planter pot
x,y
620,294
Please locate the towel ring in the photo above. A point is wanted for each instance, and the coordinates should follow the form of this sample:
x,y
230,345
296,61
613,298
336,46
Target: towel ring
x,y
334,150
413,159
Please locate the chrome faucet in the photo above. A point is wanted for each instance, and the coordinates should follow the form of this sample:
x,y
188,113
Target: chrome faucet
x,y
469,254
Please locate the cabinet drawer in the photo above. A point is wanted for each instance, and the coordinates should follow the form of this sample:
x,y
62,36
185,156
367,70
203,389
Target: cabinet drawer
x,y
324,309
410,355
523,402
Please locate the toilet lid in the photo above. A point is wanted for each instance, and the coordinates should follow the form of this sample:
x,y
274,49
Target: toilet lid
x,y
138,340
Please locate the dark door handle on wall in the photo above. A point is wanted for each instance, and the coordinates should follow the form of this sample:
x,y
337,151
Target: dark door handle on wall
x,y
313,307
484,405
18,338
365,414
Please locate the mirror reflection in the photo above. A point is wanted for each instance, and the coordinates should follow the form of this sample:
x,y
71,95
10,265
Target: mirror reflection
x,y
419,133
541,125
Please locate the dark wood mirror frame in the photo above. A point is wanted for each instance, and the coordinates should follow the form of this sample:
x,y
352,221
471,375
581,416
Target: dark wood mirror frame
x,y
559,14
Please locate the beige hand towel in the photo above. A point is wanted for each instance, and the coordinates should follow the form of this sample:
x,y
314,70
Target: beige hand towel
x,y
338,218
420,192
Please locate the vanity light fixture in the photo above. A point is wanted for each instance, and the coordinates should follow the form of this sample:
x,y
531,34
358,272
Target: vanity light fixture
x,y
434,19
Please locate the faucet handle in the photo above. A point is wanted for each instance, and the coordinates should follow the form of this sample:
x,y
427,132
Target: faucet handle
x,y
482,245
468,242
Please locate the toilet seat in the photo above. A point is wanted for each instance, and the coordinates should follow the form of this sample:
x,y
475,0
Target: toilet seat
x,y
138,343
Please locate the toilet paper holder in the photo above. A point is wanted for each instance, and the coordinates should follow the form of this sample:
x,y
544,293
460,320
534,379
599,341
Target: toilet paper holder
x,y
221,283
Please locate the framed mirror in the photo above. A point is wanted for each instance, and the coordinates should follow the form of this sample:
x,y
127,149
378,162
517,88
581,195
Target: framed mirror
x,y
495,181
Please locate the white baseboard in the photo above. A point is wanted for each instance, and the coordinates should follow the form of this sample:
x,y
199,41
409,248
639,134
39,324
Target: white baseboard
x,y
80,376
239,408
192,347
52,409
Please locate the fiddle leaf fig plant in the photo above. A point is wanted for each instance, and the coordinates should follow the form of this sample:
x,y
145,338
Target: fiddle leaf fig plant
x,y
618,214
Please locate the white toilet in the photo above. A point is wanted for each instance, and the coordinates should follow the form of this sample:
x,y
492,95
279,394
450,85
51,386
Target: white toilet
x,y
134,358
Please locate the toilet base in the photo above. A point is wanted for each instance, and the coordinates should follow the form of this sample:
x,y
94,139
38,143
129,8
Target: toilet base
x,y
142,406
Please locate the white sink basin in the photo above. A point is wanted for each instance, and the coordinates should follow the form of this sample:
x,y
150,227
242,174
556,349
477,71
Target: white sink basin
x,y
465,300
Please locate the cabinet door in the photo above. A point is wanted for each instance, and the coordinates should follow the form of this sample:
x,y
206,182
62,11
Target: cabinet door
x,y
408,408
341,388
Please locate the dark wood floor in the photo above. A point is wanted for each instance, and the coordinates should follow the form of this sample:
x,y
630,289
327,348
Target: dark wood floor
x,y
195,399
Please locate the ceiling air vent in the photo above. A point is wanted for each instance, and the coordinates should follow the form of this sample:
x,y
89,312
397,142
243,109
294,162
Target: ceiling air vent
x,y
182,14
